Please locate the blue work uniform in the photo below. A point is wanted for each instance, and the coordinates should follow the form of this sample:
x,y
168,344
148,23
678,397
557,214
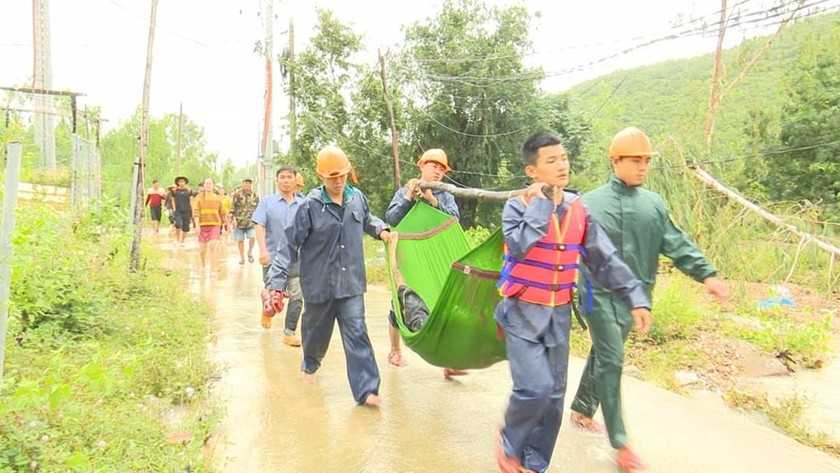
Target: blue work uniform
x,y
537,337
327,238
398,209
400,206
274,213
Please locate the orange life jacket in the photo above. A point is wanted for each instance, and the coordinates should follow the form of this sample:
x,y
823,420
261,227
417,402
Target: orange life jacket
x,y
547,274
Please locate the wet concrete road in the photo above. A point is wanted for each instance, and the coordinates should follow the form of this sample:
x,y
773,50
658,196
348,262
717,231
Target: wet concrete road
x,y
276,423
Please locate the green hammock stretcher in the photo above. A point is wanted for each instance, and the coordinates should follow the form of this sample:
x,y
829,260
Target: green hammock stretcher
x,y
456,283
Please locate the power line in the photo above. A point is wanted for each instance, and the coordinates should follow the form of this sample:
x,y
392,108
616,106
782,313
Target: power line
x,y
145,19
574,47
615,89
483,82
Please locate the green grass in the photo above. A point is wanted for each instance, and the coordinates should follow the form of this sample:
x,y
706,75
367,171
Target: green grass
x,y
786,415
98,365
806,341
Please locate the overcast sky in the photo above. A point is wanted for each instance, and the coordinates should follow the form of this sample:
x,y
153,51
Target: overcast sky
x,y
204,50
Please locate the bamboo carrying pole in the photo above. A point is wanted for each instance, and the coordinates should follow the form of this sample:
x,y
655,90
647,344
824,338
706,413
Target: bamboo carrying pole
x,y
9,201
707,179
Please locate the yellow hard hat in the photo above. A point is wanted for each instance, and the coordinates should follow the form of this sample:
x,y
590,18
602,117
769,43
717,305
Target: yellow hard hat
x,y
332,162
299,180
435,155
630,141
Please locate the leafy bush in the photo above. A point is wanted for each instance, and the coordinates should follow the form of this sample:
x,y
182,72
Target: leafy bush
x,y
101,361
676,313
477,235
52,273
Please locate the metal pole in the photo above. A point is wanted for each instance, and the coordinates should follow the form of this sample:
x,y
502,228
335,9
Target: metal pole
x,y
74,186
90,158
9,201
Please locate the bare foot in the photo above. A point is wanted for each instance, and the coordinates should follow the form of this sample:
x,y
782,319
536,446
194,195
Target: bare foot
x,y
586,423
309,378
448,373
395,358
627,461
373,400
506,464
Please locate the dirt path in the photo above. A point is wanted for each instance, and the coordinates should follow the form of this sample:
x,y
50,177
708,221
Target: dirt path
x,y
275,423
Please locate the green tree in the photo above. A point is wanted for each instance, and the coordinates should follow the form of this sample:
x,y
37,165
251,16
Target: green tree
x,y
472,95
811,169
324,76
120,149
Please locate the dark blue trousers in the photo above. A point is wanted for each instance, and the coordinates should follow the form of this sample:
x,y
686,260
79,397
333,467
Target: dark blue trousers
x,y
535,410
317,329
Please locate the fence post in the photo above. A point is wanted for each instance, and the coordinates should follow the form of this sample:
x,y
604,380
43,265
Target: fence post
x,y
9,202
74,186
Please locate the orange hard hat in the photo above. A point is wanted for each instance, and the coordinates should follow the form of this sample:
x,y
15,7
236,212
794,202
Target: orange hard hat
x,y
630,141
299,180
435,155
332,162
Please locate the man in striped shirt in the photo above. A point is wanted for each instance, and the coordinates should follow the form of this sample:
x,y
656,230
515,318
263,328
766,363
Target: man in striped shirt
x,y
211,213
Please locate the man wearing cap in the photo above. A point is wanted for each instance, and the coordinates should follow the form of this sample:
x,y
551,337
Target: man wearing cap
x,y
154,198
245,201
273,214
433,165
181,198
638,223
326,235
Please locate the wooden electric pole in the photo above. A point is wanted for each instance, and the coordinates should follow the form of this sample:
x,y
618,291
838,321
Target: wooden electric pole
x,y
139,208
394,145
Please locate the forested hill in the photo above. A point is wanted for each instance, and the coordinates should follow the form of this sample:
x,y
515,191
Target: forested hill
x,y
670,101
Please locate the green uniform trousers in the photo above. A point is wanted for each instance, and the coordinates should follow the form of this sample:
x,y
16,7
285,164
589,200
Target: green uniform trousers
x,y
600,383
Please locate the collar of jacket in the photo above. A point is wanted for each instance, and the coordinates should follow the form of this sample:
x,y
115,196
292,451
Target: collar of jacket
x,y
619,186
349,191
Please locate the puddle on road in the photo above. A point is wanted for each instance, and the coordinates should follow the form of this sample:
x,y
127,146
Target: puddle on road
x,y
274,422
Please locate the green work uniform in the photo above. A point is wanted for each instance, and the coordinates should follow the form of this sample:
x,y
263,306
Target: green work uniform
x,y
638,223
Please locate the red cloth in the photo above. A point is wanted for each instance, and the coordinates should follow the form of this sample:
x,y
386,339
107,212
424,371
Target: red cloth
x,y
209,233
154,200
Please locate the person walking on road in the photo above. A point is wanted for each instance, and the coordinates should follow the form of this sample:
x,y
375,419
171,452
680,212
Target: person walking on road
x,y
245,202
326,235
182,200
210,212
638,223
433,164
548,233
154,199
273,214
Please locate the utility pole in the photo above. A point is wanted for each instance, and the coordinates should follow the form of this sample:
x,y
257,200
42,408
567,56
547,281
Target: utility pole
x,y
178,149
394,145
268,139
42,79
292,100
139,208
